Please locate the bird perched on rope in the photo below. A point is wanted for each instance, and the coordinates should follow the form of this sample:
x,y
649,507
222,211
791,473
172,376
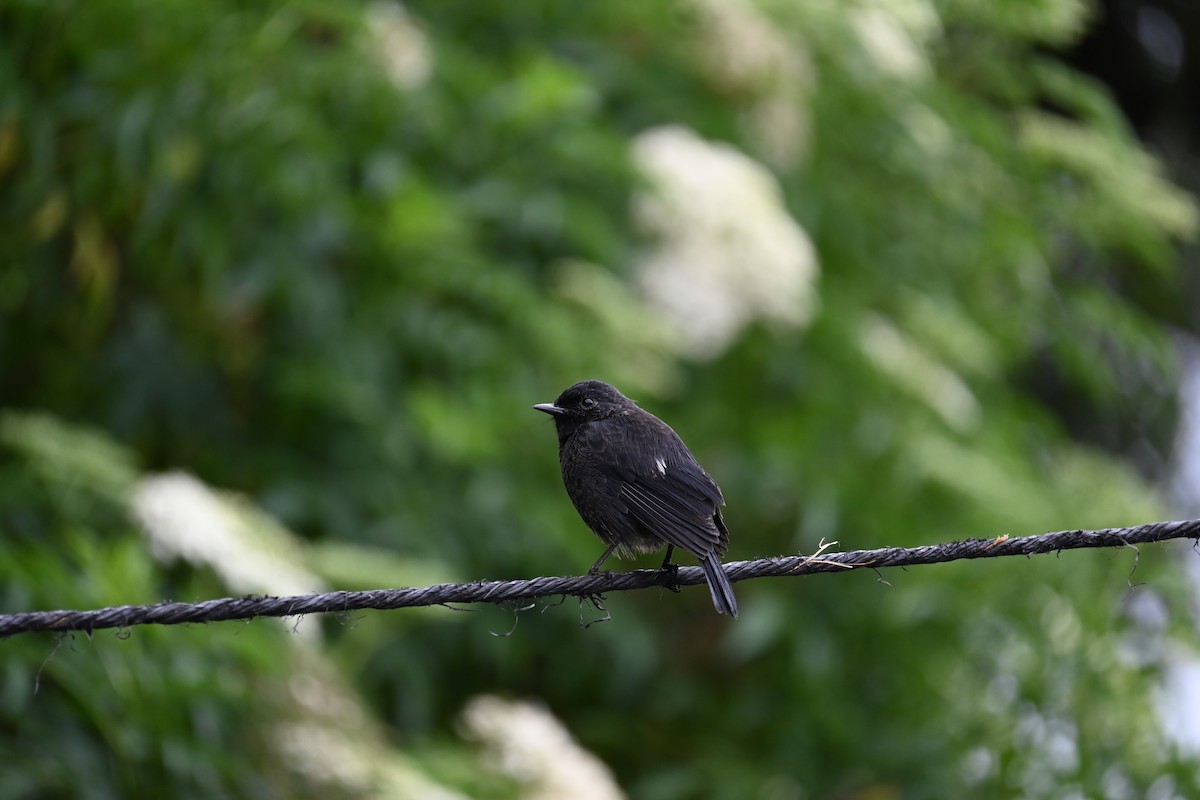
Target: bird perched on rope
x,y
636,484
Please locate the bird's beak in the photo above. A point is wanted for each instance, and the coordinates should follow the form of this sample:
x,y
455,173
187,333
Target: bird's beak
x,y
550,408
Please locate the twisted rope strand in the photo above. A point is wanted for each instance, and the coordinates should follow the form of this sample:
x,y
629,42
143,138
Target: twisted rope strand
x,y
230,608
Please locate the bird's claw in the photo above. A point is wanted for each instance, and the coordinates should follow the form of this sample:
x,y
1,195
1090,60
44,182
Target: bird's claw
x,y
671,578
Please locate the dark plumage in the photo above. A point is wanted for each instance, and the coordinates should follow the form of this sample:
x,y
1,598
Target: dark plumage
x,y
636,484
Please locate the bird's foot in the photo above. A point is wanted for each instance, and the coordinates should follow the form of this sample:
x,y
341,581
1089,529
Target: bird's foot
x,y
671,576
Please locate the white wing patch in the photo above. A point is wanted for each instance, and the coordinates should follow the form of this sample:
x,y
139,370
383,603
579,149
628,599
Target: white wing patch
x,y
662,465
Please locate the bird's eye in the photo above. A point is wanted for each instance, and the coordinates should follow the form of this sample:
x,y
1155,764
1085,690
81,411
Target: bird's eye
x,y
588,402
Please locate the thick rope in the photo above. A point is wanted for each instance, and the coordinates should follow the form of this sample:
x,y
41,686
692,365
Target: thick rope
x,y
230,608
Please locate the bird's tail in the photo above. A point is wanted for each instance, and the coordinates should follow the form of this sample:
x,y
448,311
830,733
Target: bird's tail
x,y
719,586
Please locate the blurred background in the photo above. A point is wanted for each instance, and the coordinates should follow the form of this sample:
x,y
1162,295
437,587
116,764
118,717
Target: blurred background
x,y
280,281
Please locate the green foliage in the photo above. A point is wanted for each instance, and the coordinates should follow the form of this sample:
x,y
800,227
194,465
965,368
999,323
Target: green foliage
x,y
326,255
160,710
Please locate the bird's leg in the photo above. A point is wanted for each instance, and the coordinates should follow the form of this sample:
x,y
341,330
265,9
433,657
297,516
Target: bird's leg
x,y
671,569
595,570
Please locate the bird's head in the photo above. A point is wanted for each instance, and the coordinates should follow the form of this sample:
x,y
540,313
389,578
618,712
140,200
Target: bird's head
x,y
584,402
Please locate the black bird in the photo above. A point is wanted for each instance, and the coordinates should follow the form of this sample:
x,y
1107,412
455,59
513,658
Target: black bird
x,y
636,484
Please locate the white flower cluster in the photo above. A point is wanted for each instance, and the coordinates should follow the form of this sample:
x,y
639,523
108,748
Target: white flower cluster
x,y
741,50
401,45
526,743
185,519
726,252
894,35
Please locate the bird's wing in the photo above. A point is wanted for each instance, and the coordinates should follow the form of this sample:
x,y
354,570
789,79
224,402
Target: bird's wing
x,y
686,522
664,490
